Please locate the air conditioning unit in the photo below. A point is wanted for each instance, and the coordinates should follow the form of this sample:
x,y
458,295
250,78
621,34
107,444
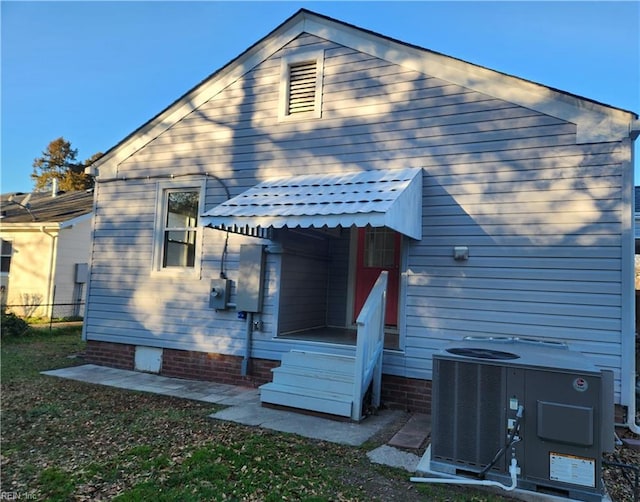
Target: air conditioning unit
x,y
537,401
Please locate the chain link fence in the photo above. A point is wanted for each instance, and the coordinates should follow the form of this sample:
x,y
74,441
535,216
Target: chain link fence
x,y
62,307
48,311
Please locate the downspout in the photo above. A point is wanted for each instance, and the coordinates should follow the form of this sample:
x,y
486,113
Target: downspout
x,y
52,262
634,131
247,345
631,413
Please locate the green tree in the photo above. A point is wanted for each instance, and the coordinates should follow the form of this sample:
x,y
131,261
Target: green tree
x,y
59,161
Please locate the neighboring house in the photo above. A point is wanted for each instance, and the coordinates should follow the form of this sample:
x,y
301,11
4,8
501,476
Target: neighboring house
x,y
637,222
252,216
637,257
45,252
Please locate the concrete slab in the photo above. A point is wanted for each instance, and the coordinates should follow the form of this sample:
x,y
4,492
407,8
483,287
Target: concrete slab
x,y
388,455
349,433
246,415
249,397
414,434
243,404
210,392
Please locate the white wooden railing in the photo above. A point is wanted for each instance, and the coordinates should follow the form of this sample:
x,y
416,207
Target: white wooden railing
x,y
369,347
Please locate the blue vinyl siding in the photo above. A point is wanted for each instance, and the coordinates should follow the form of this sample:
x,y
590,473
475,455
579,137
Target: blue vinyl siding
x,y
541,215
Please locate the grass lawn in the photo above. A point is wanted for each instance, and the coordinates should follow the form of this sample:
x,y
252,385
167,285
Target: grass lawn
x,y
66,440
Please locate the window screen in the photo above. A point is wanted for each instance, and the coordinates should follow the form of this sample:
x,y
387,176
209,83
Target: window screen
x,y
180,229
379,248
5,256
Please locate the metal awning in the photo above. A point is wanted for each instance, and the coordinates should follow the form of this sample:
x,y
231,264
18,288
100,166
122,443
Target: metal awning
x,y
385,198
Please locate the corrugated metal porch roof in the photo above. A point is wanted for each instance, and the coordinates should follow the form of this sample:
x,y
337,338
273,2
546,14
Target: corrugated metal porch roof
x,y
386,198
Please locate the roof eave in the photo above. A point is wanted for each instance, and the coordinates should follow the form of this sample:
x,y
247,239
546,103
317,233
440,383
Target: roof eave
x,y
30,226
46,224
107,165
595,122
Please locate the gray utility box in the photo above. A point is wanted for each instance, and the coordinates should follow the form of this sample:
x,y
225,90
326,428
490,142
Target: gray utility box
x,y
219,293
250,287
567,422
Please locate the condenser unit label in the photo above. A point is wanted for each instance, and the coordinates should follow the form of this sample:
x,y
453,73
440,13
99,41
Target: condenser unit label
x,y
572,469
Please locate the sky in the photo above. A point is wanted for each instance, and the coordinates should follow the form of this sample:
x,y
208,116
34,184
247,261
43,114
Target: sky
x,y
93,72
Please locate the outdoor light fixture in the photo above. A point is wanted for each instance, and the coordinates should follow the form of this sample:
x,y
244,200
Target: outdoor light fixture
x,y
460,253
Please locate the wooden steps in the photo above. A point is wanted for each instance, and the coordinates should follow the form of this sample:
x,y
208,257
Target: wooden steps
x,y
334,384
312,381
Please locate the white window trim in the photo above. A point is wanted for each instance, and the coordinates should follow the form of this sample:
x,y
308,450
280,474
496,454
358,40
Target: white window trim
x,y
316,55
10,241
158,234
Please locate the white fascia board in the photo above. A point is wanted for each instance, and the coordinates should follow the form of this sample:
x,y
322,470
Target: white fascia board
x,y
107,166
31,227
405,214
46,226
309,221
374,219
595,122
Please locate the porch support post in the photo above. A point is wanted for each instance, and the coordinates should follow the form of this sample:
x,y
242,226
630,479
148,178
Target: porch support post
x,y
376,389
370,347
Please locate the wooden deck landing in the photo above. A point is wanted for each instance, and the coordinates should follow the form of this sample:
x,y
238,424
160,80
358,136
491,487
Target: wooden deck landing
x,y
341,336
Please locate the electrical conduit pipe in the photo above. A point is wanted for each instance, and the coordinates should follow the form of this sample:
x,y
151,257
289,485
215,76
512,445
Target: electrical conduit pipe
x,y
244,370
513,471
631,412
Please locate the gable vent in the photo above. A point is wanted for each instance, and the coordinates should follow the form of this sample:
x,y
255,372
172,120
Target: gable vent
x,y
302,87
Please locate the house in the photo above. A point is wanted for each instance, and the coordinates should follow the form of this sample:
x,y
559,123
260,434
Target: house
x,y
45,252
637,255
243,227
637,220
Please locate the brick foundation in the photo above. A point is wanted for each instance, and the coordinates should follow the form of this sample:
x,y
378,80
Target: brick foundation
x,y
184,364
407,394
620,414
215,367
115,355
397,392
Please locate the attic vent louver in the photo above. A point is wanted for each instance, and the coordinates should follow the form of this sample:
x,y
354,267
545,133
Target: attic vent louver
x,y
302,87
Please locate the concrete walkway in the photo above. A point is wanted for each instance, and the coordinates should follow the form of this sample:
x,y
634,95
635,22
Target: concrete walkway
x,y
243,407
209,392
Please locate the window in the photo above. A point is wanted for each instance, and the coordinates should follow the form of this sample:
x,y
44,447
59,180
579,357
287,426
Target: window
x,y
301,85
5,256
179,248
177,234
380,248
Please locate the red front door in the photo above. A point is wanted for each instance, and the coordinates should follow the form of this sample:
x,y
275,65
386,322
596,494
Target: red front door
x,y
378,250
